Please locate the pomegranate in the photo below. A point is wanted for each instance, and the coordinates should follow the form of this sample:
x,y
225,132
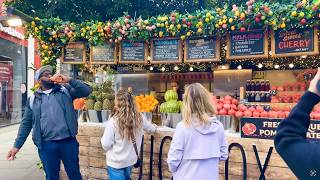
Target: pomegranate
x,y
282,115
287,113
222,112
239,114
259,109
233,106
264,114
247,113
231,112
228,98
252,109
227,101
317,116
219,107
242,108
235,102
255,114
226,106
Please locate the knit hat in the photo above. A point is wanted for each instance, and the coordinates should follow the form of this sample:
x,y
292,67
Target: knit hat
x,y
41,70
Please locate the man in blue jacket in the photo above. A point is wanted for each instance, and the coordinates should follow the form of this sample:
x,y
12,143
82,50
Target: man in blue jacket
x,y
50,113
302,156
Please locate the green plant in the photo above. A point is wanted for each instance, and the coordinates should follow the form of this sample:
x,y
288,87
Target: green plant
x,y
98,106
90,104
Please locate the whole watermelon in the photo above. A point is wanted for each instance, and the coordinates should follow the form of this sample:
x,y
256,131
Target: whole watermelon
x,y
163,107
172,107
171,95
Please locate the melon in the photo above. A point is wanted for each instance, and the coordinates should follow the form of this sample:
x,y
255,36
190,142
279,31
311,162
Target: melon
x,y
171,95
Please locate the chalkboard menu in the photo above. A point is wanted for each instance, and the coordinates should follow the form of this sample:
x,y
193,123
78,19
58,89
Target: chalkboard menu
x,y
103,54
202,49
133,52
250,44
166,50
74,53
295,42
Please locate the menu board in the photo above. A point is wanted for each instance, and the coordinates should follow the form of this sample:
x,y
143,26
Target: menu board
x,y
74,53
103,54
250,44
294,42
134,52
166,50
202,49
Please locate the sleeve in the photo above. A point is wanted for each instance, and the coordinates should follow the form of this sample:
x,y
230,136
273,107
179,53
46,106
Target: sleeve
x,y
148,126
175,153
78,89
108,138
291,143
25,127
224,146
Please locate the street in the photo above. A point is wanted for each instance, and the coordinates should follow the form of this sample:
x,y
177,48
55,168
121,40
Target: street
x,y
25,166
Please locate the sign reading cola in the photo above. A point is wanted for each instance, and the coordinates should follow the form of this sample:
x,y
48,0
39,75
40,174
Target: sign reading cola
x,y
263,128
295,42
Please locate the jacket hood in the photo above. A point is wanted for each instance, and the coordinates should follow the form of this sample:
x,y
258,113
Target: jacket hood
x,y
210,128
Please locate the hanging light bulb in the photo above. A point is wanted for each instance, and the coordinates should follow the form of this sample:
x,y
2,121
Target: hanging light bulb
x,y
225,48
149,58
260,65
276,66
163,69
151,68
191,69
239,67
291,65
176,68
223,67
303,57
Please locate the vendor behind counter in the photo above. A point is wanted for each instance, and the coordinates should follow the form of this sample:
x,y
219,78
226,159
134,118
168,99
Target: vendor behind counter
x,y
180,89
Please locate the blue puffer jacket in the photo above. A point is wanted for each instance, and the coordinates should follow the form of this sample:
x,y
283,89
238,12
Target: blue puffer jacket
x,y
31,116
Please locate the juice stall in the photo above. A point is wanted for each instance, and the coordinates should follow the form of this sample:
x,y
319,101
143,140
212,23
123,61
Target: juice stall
x,y
256,72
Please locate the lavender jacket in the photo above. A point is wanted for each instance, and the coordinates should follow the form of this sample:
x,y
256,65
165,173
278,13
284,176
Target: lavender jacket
x,y
196,150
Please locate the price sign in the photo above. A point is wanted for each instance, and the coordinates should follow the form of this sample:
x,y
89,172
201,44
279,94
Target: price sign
x,y
103,54
295,42
250,44
166,50
74,53
202,49
133,52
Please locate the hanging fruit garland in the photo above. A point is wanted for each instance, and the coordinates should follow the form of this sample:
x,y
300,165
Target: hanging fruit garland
x,y
54,33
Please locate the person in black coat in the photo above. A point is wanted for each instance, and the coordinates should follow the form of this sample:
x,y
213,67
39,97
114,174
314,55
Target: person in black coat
x,y
301,155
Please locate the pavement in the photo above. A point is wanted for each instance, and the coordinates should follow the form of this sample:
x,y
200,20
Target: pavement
x,y
24,167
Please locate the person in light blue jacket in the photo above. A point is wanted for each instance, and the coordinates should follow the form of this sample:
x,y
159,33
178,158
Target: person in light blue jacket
x,y
199,142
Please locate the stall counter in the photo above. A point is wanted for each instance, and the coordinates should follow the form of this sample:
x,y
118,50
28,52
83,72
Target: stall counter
x,y
248,158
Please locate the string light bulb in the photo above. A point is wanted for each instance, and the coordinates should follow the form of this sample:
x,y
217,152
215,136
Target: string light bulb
x,y
291,65
163,69
176,68
276,66
191,69
260,65
151,68
303,57
223,67
239,67
149,58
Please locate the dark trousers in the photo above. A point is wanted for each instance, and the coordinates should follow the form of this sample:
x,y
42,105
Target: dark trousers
x,y
67,151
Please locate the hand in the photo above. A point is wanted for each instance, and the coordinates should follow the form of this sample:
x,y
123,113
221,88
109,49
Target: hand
x,y
12,154
314,82
59,78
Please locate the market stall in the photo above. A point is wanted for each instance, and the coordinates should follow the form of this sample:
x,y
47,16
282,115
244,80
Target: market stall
x,y
255,60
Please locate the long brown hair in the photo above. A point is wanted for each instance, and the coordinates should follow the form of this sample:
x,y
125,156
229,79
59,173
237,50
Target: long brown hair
x,y
129,119
197,103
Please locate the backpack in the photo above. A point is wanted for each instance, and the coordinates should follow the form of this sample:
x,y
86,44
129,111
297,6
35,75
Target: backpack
x,y
62,89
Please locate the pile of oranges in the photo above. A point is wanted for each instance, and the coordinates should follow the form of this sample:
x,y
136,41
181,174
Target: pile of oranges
x,y
146,103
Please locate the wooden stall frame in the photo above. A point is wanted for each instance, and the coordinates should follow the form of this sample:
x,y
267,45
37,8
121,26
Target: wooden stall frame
x,y
166,62
104,62
217,59
314,52
264,55
83,54
146,54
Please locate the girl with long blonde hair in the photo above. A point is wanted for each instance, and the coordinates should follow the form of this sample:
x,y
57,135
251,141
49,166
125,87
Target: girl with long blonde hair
x,y
123,136
199,142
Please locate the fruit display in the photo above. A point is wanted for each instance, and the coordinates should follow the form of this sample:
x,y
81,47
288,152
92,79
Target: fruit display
x,y
286,98
98,106
226,105
107,104
172,105
146,103
296,86
89,104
